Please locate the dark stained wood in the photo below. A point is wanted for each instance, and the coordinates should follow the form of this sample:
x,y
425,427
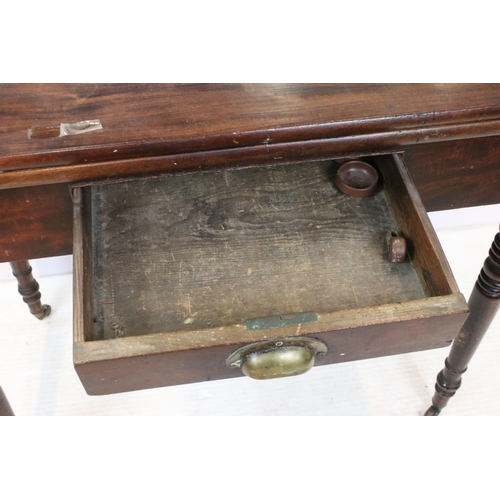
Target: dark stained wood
x,y
448,134
456,174
422,243
447,175
258,154
29,289
35,222
143,119
484,303
188,258
135,363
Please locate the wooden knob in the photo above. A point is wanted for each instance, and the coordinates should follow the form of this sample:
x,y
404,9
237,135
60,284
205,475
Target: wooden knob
x,y
396,247
357,178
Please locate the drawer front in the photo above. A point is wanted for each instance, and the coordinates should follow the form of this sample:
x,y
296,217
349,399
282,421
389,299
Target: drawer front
x,y
175,274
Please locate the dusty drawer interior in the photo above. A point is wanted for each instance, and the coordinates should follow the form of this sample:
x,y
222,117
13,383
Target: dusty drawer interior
x,y
174,273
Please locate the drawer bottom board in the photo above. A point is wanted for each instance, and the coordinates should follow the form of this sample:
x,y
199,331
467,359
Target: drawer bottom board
x,y
216,249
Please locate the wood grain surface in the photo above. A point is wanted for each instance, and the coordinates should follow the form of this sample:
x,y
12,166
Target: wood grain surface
x,y
423,245
214,249
155,119
171,267
456,174
135,363
35,222
449,133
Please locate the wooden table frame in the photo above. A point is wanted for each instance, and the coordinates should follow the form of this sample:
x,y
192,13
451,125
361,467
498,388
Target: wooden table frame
x,y
449,135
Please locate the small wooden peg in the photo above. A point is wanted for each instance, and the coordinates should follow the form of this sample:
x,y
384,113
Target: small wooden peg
x,y
396,247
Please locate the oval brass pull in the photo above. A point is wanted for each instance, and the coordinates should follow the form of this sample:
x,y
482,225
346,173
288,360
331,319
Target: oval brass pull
x,y
278,357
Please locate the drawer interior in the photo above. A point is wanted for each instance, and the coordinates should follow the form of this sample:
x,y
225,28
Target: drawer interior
x,y
203,253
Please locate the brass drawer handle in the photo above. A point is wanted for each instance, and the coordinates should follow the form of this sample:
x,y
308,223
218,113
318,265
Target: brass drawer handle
x,y
278,357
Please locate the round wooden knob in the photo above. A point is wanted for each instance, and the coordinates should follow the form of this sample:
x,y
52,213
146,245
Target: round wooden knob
x,y
357,178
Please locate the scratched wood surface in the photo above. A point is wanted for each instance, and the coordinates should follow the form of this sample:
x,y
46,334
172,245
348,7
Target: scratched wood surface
x,y
210,249
162,119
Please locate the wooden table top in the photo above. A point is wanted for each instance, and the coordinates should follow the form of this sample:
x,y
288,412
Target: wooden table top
x,y
449,133
141,120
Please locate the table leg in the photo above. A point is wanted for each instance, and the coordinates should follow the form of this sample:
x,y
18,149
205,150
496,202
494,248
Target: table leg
x,y
5,409
29,288
483,304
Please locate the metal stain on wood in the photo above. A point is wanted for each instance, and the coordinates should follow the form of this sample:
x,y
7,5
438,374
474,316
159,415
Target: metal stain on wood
x,y
281,320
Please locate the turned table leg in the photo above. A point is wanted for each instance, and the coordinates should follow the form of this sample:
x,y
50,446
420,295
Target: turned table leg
x,y
483,304
5,409
29,288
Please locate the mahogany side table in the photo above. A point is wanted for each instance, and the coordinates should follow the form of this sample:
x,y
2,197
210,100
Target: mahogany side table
x,y
58,137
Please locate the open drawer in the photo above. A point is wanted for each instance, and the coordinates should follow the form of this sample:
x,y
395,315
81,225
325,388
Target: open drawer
x,y
189,277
